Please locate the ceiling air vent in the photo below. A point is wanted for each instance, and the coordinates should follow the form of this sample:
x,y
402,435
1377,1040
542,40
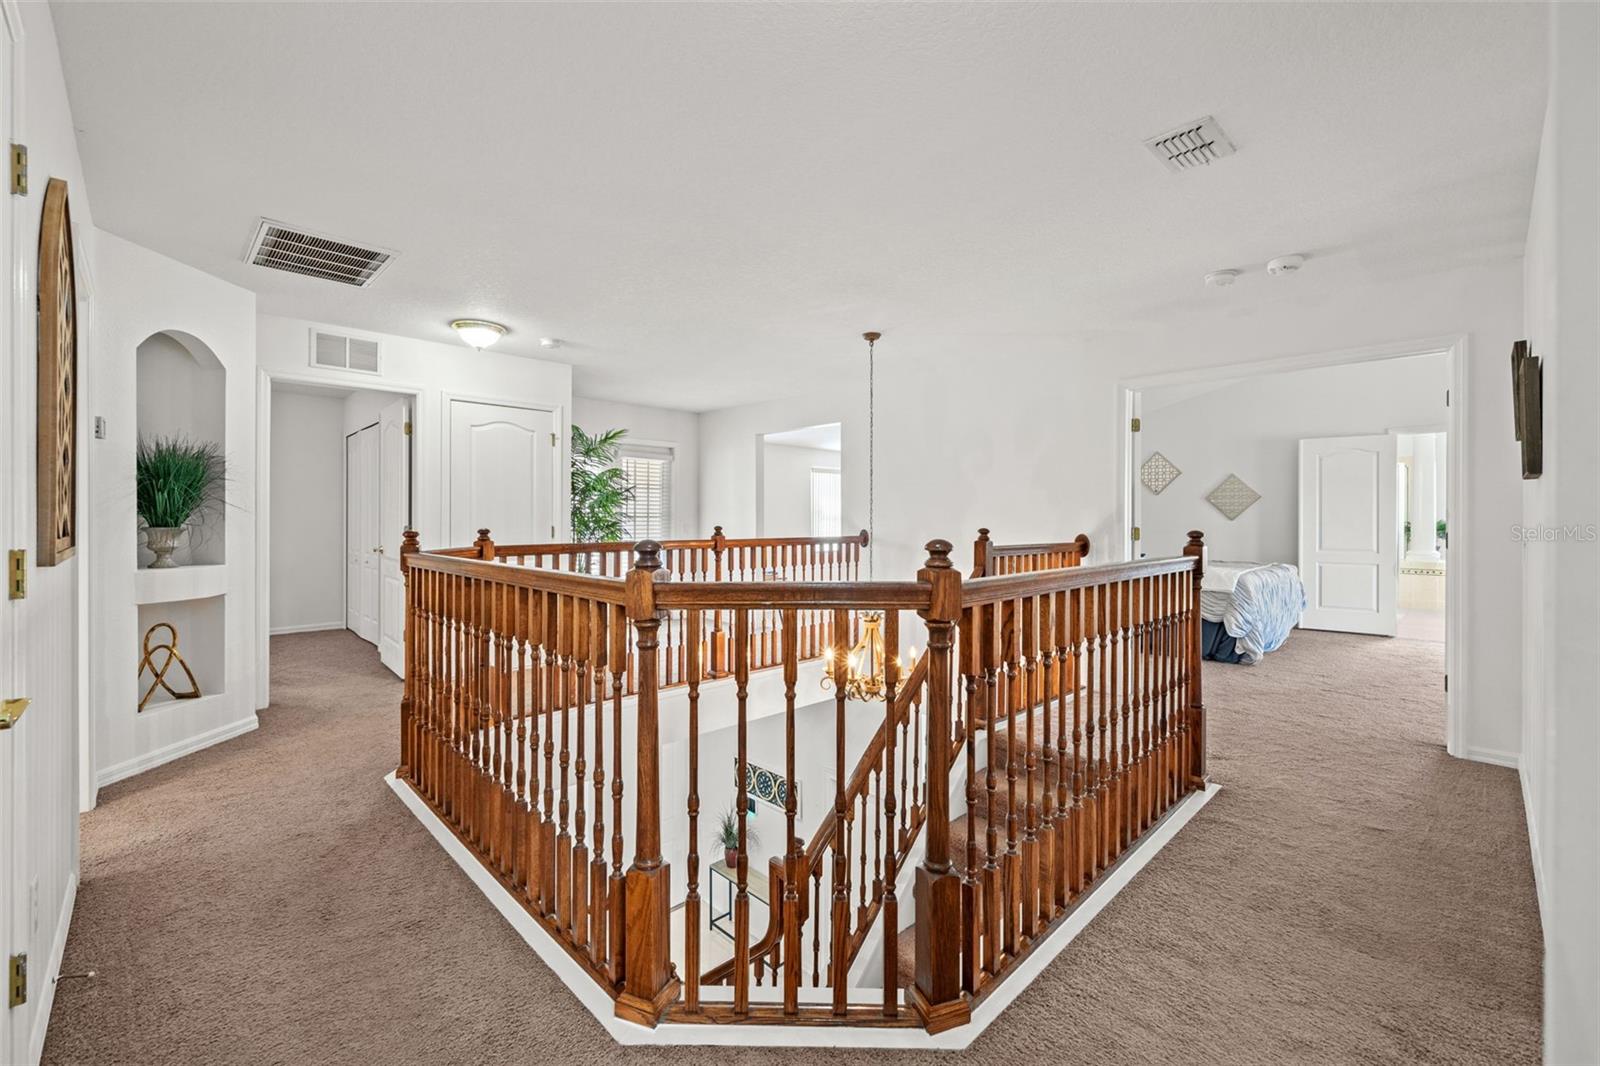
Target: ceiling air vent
x,y
1197,144
315,255
335,351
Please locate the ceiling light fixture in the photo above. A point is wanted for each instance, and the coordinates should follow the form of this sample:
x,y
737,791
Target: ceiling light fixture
x,y
477,332
1221,279
549,342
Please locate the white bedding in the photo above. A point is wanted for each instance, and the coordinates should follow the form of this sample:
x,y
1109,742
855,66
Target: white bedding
x,y
1256,603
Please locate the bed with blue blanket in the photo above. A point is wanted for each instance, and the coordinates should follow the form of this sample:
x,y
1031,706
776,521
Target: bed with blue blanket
x,y
1248,609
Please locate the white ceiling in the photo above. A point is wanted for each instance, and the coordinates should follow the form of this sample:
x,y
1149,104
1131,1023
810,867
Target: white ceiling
x,y
709,203
828,437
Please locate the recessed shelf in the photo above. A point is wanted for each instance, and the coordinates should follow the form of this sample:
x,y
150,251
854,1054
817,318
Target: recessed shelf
x,y
179,583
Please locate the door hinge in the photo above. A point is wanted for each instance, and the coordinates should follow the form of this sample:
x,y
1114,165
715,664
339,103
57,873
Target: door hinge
x,y
408,427
1135,532
552,532
17,573
19,170
552,440
1135,425
1447,397
18,971
1447,682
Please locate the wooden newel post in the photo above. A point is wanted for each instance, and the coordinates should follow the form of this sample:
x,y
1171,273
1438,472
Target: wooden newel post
x,y
484,545
1197,708
980,553
409,546
648,984
936,994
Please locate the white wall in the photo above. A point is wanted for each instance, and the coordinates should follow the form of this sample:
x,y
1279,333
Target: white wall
x,y
1560,555
432,374
307,529
1024,441
786,487
181,394
659,426
1253,428
41,761
140,294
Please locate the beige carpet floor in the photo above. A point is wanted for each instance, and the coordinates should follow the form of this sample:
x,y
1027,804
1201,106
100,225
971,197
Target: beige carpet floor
x,y
1353,895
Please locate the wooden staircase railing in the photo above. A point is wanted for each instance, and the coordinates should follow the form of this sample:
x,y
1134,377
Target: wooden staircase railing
x,y
527,685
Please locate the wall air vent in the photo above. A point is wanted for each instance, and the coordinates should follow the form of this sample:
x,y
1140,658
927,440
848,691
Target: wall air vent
x,y
1196,144
315,255
335,351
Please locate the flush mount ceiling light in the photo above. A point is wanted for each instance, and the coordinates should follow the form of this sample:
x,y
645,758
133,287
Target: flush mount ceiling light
x,y
477,332
1221,279
549,342
1285,264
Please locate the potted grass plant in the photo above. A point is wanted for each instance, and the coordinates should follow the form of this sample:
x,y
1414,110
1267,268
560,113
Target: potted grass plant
x,y
175,479
728,835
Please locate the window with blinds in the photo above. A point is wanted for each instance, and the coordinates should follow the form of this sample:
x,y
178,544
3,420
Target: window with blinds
x,y
826,504
649,471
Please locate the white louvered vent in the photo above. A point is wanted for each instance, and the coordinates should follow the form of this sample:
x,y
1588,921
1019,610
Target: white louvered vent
x,y
338,352
1197,144
315,255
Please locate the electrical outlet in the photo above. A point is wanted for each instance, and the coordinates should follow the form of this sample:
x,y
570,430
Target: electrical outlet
x,y
99,427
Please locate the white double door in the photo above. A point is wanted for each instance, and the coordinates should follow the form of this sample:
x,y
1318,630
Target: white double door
x,y
1349,549
377,512
501,473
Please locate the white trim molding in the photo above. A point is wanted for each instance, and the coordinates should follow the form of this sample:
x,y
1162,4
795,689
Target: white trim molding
x,y
152,759
600,1004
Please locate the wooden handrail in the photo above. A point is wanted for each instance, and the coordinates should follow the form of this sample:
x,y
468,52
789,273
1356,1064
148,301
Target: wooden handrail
x,y
990,559
1011,586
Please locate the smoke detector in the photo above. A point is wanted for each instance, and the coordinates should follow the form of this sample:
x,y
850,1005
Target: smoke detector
x,y
1194,144
1285,264
1221,279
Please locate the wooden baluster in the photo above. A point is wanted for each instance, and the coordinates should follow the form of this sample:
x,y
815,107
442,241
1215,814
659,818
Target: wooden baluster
x,y
648,983
620,632
583,647
538,812
1048,834
816,926
1197,774
551,615
1125,778
936,993
483,727
566,667
992,906
741,899
691,902
971,646
1030,807
891,903
841,869
600,618
794,852
1148,688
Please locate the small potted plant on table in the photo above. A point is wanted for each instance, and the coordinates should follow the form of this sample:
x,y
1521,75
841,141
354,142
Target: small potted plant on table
x,y
728,833
175,479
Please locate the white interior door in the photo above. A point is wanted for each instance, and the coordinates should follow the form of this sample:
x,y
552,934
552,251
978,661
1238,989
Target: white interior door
x,y
361,533
1348,551
394,512
502,473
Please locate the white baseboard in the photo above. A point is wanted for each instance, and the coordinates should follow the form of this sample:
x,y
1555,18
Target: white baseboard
x,y
1532,820
310,627
1489,755
47,986
188,746
600,1004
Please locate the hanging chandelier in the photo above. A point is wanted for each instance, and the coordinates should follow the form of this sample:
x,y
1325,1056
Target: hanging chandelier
x,y
865,664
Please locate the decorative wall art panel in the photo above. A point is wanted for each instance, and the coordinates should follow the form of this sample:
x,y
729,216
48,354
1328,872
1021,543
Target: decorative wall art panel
x,y
58,381
765,785
1233,497
1158,472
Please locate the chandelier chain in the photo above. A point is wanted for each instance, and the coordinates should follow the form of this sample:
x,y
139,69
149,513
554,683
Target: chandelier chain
x,y
872,459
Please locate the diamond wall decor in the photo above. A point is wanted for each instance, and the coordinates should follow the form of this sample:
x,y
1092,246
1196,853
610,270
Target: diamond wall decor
x,y
1233,497
1158,472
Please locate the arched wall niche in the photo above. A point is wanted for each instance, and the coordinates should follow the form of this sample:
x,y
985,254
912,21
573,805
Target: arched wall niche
x,y
181,388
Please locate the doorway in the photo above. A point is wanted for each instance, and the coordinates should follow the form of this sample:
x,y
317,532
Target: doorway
x,y
799,487
339,487
1226,450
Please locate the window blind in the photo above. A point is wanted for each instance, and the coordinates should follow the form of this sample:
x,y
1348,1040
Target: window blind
x,y
826,516
649,470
